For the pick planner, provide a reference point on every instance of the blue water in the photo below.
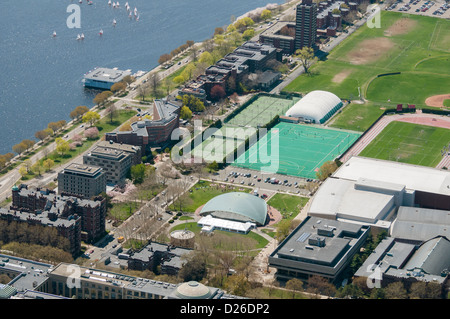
(40, 76)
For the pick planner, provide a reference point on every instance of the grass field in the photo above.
(409, 143)
(417, 46)
(288, 205)
(357, 117)
(298, 150)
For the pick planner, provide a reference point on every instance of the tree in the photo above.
(128, 79)
(23, 171)
(237, 284)
(213, 166)
(326, 170)
(266, 14)
(217, 92)
(119, 86)
(56, 126)
(28, 144)
(395, 290)
(102, 97)
(19, 148)
(294, 284)
(155, 84)
(138, 173)
(185, 113)
(306, 57)
(248, 34)
(112, 112)
(164, 58)
(91, 133)
(193, 269)
(62, 146)
(37, 168)
(321, 286)
(42, 134)
(207, 58)
(78, 112)
(91, 117)
(48, 164)
(218, 30)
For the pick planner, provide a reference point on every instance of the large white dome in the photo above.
(316, 106)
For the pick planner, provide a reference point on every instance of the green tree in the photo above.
(306, 57)
(62, 146)
(138, 173)
(78, 112)
(248, 34)
(119, 86)
(48, 164)
(185, 113)
(294, 284)
(395, 290)
(91, 117)
(266, 14)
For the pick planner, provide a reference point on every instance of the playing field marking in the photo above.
(433, 39)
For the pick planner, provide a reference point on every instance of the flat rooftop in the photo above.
(83, 170)
(107, 75)
(414, 177)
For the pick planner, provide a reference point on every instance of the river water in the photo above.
(40, 75)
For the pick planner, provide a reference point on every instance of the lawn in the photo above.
(409, 143)
(420, 51)
(203, 191)
(357, 117)
(288, 205)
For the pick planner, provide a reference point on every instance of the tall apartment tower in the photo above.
(306, 24)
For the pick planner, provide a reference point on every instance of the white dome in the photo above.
(317, 106)
(193, 290)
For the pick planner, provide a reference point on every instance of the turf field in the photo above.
(417, 46)
(295, 149)
(409, 143)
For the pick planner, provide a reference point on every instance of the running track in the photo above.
(417, 118)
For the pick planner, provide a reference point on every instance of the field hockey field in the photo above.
(417, 46)
(409, 143)
(295, 149)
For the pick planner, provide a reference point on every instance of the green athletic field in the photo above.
(419, 49)
(294, 149)
(409, 143)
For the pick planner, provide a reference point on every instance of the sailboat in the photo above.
(101, 32)
(78, 37)
(82, 36)
(109, 2)
(54, 34)
(114, 22)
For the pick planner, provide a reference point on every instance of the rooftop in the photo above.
(83, 170)
(107, 75)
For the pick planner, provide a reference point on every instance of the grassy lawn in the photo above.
(203, 191)
(288, 205)
(224, 240)
(121, 211)
(409, 143)
(357, 117)
(421, 53)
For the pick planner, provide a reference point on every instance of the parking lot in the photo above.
(263, 181)
(422, 7)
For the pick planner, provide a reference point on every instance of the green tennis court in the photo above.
(298, 150)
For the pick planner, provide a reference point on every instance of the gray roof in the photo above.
(421, 224)
(432, 257)
(107, 75)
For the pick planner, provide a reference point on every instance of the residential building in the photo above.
(281, 35)
(81, 180)
(306, 25)
(104, 78)
(91, 211)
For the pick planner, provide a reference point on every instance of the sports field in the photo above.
(262, 111)
(409, 143)
(294, 149)
(417, 46)
(242, 126)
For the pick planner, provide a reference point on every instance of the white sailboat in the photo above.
(101, 32)
(114, 22)
(109, 2)
(54, 34)
(78, 37)
(82, 36)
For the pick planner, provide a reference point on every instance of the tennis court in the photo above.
(298, 150)
(262, 111)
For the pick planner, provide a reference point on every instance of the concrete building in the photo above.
(81, 180)
(151, 133)
(306, 25)
(318, 247)
(394, 260)
(104, 78)
(115, 163)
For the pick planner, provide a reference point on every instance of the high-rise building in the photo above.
(306, 24)
(81, 180)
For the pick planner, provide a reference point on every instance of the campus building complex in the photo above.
(115, 160)
(37, 201)
(155, 133)
(81, 180)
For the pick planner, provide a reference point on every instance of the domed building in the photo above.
(316, 107)
(194, 290)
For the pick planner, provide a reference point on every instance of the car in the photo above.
(114, 246)
(91, 251)
(82, 125)
(259, 179)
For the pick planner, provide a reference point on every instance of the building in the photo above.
(394, 260)
(318, 247)
(82, 180)
(234, 211)
(134, 151)
(167, 257)
(316, 107)
(104, 78)
(114, 162)
(306, 25)
(91, 211)
(281, 35)
(27, 276)
(328, 22)
(151, 133)
(100, 284)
